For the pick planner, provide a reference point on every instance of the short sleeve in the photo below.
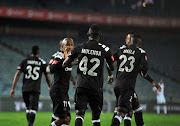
(74, 54)
(109, 57)
(21, 66)
(115, 55)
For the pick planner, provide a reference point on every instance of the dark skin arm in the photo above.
(16, 78)
(48, 81)
(73, 81)
(110, 76)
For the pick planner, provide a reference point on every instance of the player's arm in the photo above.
(110, 75)
(144, 69)
(71, 57)
(16, 78)
(48, 80)
(154, 90)
(109, 60)
(73, 80)
(57, 63)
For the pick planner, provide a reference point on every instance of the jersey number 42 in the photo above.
(83, 66)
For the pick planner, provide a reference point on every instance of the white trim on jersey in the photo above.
(105, 47)
(122, 47)
(44, 62)
(142, 51)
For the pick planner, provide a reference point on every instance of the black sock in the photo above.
(53, 119)
(31, 118)
(78, 122)
(115, 113)
(27, 115)
(115, 122)
(139, 118)
(97, 124)
(127, 122)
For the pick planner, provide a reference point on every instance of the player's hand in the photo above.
(49, 88)
(157, 86)
(110, 79)
(67, 51)
(74, 83)
(12, 93)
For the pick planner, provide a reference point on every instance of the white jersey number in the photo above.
(83, 66)
(32, 72)
(131, 59)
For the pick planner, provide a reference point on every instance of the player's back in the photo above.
(32, 68)
(91, 63)
(128, 62)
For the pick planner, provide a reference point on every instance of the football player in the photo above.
(91, 57)
(32, 67)
(130, 62)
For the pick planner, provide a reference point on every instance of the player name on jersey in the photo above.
(129, 51)
(34, 62)
(91, 52)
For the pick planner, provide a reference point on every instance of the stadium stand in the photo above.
(115, 7)
(157, 51)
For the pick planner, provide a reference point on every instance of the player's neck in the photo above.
(34, 55)
(96, 39)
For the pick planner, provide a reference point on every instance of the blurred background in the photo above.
(24, 23)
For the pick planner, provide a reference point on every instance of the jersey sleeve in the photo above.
(143, 64)
(44, 65)
(116, 56)
(21, 66)
(56, 64)
(109, 57)
(74, 54)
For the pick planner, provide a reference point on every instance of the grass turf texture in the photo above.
(44, 118)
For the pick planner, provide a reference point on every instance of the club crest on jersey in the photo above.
(129, 51)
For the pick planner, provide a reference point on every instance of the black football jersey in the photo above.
(130, 62)
(33, 67)
(61, 74)
(91, 57)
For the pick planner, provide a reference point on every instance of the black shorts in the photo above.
(84, 96)
(31, 100)
(61, 104)
(128, 100)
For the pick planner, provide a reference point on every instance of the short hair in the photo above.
(137, 39)
(35, 49)
(130, 32)
(94, 30)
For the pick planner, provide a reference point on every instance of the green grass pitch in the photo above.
(44, 118)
